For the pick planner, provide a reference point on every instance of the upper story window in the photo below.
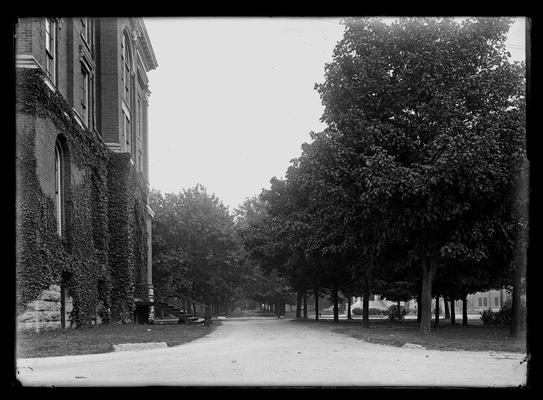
(51, 49)
(126, 130)
(86, 95)
(126, 58)
(86, 31)
(59, 208)
(139, 111)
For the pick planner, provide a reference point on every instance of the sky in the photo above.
(233, 99)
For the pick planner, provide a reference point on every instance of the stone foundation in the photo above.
(44, 312)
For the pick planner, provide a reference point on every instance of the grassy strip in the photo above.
(444, 337)
(101, 338)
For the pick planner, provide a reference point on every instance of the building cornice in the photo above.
(142, 38)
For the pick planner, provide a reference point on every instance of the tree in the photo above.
(266, 253)
(195, 247)
(435, 112)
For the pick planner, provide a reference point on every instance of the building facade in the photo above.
(83, 250)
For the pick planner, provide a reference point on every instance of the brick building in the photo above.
(83, 250)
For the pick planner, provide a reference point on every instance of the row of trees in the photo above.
(198, 252)
(418, 185)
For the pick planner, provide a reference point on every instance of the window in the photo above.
(140, 117)
(86, 95)
(51, 48)
(126, 62)
(485, 301)
(58, 188)
(86, 29)
(497, 301)
(126, 130)
(480, 301)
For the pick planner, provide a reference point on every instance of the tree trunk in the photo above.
(446, 302)
(453, 312)
(299, 305)
(366, 308)
(316, 291)
(517, 327)
(465, 310)
(518, 321)
(62, 304)
(349, 308)
(436, 322)
(428, 273)
(419, 308)
(399, 306)
(305, 305)
(335, 300)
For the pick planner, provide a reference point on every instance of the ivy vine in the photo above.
(102, 255)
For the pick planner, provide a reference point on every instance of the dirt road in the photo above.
(267, 351)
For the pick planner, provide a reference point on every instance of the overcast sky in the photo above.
(233, 99)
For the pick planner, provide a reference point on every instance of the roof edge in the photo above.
(149, 58)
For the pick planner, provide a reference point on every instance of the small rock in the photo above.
(413, 346)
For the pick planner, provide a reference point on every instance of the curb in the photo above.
(139, 346)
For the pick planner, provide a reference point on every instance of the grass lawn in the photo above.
(101, 338)
(474, 337)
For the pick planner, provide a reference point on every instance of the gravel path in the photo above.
(268, 351)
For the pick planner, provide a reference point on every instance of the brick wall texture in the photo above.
(106, 70)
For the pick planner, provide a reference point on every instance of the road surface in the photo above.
(272, 352)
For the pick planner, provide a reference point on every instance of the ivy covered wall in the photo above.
(128, 249)
(101, 256)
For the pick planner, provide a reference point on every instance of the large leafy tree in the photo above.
(195, 247)
(434, 110)
(266, 253)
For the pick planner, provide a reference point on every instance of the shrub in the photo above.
(489, 317)
(506, 312)
(396, 314)
(371, 311)
(503, 316)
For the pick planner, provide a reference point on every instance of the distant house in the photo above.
(493, 299)
(83, 232)
(477, 302)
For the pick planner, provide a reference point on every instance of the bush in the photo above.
(396, 314)
(503, 316)
(371, 311)
(506, 312)
(489, 317)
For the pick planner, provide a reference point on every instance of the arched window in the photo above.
(126, 57)
(59, 192)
